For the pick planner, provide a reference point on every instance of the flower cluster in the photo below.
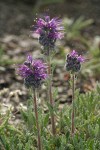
(73, 62)
(49, 31)
(33, 71)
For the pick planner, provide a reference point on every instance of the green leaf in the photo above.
(50, 108)
(67, 135)
(13, 129)
(4, 142)
(46, 120)
(24, 115)
(97, 130)
(5, 122)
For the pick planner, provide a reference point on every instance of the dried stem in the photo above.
(50, 97)
(73, 109)
(37, 124)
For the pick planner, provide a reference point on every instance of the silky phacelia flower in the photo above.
(73, 62)
(49, 30)
(33, 72)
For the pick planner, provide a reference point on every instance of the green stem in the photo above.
(37, 124)
(50, 97)
(73, 109)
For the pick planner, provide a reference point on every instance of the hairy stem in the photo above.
(73, 109)
(50, 97)
(37, 124)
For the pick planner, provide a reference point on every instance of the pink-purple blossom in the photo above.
(73, 61)
(49, 30)
(79, 57)
(33, 71)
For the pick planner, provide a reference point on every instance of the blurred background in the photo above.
(81, 20)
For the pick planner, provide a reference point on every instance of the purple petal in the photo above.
(74, 53)
(47, 18)
(41, 22)
(80, 59)
(24, 71)
(29, 59)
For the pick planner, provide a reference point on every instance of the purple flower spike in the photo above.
(73, 62)
(49, 31)
(33, 72)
